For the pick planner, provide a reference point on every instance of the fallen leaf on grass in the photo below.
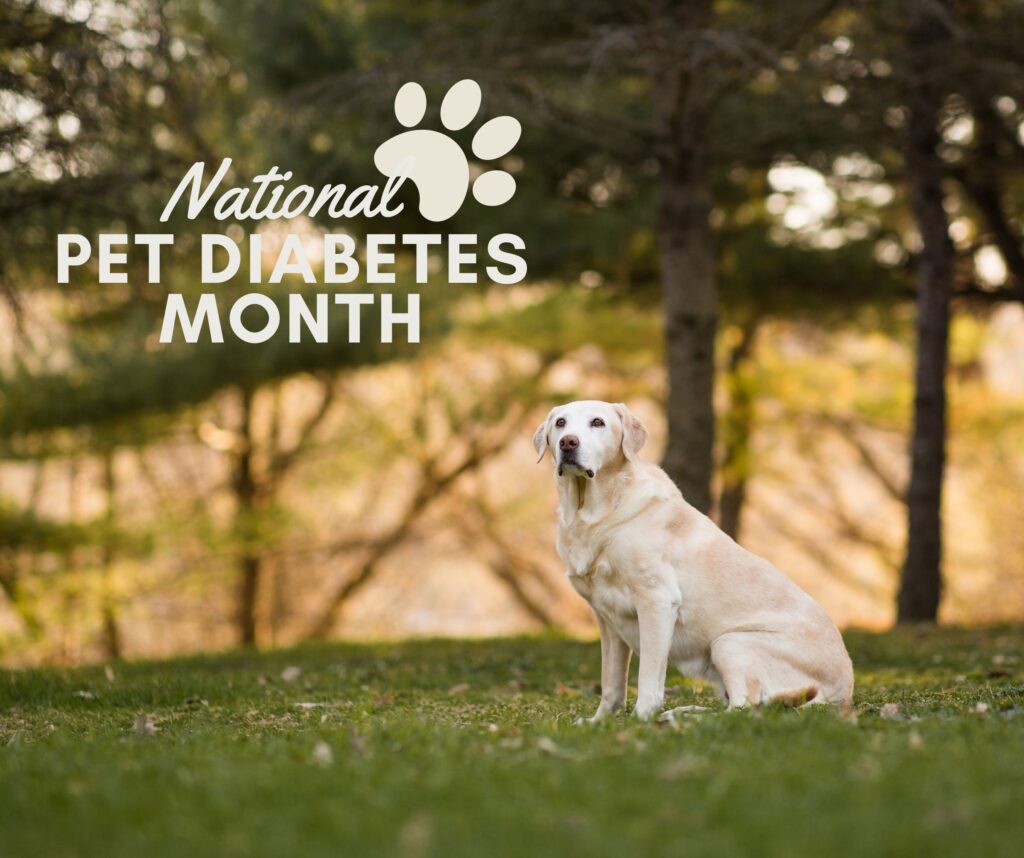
(459, 689)
(322, 755)
(304, 705)
(891, 712)
(291, 673)
(548, 746)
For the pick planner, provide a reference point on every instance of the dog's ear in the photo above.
(634, 433)
(540, 438)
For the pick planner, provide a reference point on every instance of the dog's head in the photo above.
(589, 435)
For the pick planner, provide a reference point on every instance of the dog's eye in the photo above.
(560, 422)
(597, 422)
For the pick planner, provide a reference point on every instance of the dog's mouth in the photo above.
(569, 463)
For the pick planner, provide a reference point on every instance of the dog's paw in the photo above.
(436, 163)
(646, 711)
(596, 718)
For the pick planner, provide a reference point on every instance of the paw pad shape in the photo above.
(436, 163)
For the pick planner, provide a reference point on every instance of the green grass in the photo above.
(455, 748)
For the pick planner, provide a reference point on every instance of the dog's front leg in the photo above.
(615, 654)
(657, 621)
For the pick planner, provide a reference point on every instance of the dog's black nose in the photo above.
(568, 442)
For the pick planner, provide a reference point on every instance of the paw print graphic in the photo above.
(435, 163)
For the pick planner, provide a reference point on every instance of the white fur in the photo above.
(666, 583)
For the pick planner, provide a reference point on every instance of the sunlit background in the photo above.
(164, 499)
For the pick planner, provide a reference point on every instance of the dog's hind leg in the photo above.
(737, 664)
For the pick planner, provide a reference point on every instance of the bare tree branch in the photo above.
(283, 460)
(431, 487)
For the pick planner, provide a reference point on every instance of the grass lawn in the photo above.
(455, 748)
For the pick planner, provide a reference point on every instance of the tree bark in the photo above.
(111, 630)
(691, 321)
(245, 495)
(738, 426)
(921, 585)
(687, 251)
(249, 585)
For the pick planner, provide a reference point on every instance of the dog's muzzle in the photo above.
(567, 447)
(569, 462)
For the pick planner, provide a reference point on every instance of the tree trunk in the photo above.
(691, 320)
(738, 426)
(248, 593)
(249, 564)
(921, 583)
(685, 246)
(111, 631)
(70, 636)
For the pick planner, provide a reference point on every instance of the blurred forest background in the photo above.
(789, 235)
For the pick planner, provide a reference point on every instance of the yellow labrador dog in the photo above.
(666, 583)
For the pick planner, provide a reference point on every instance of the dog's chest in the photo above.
(593, 575)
